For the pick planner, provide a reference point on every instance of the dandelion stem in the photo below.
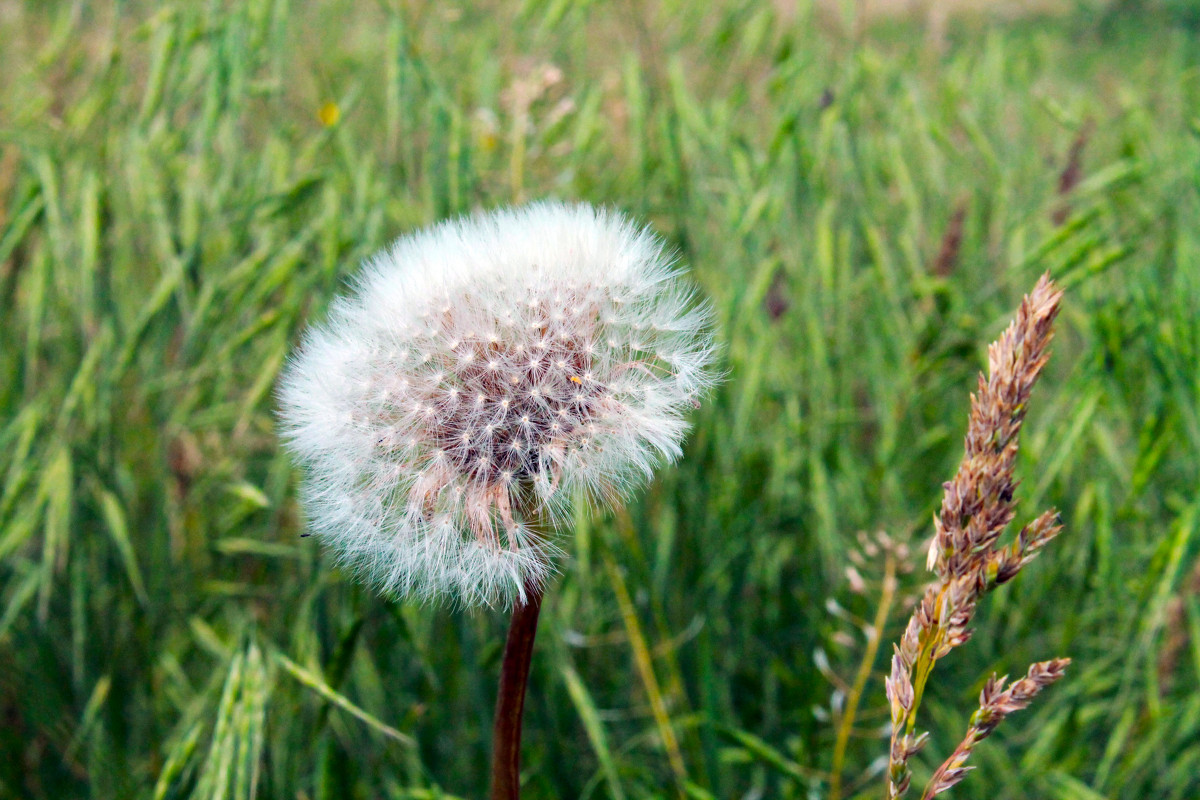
(510, 701)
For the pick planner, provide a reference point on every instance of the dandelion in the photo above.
(481, 376)
(329, 114)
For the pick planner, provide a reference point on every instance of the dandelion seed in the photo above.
(502, 344)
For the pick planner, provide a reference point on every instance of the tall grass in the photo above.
(183, 185)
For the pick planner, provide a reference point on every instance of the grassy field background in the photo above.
(183, 185)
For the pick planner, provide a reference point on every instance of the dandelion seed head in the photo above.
(480, 375)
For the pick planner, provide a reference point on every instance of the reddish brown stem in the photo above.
(510, 702)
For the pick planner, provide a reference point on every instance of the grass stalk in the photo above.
(887, 596)
(645, 667)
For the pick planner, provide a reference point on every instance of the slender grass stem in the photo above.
(924, 668)
(645, 666)
(510, 701)
(846, 723)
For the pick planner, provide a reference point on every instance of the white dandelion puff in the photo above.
(482, 371)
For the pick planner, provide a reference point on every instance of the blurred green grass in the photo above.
(177, 199)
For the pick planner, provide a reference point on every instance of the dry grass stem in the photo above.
(895, 556)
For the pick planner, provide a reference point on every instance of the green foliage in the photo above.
(175, 203)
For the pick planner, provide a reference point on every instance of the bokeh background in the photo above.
(864, 190)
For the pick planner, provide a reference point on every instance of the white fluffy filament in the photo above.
(485, 369)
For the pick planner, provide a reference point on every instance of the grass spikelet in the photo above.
(977, 507)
